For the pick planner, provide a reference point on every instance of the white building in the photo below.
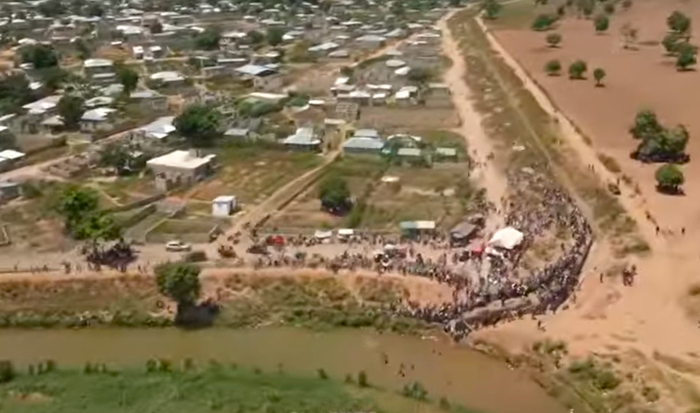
(181, 166)
(223, 206)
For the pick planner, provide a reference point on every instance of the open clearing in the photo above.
(440, 193)
(253, 173)
(636, 79)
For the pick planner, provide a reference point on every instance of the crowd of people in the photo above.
(504, 295)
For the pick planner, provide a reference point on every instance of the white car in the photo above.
(177, 246)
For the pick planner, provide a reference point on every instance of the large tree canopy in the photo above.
(179, 281)
(209, 39)
(334, 194)
(82, 217)
(40, 55)
(658, 143)
(199, 124)
(679, 23)
(71, 108)
(129, 78)
(14, 92)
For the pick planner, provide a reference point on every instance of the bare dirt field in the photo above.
(400, 119)
(641, 78)
(252, 174)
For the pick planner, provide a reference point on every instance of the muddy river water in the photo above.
(445, 369)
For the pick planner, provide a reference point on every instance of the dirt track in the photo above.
(486, 171)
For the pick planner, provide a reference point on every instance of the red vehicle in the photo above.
(275, 240)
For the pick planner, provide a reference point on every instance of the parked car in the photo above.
(177, 246)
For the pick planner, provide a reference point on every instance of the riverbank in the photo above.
(163, 386)
(245, 299)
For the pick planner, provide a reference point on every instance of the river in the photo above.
(445, 369)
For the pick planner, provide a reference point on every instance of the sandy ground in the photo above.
(649, 318)
(486, 172)
(636, 79)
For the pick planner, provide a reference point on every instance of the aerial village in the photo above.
(187, 122)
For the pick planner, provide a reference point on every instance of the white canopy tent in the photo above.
(506, 238)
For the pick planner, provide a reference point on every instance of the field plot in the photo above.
(361, 172)
(385, 195)
(638, 77)
(191, 229)
(439, 194)
(406, 119)
(129, 189)
(253, 173)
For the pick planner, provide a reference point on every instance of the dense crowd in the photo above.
(505, 296)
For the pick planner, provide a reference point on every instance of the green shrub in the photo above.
(7, 371)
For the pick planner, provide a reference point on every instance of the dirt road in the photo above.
(480, 146)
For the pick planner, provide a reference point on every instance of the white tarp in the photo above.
(507, 238)
(346, 232)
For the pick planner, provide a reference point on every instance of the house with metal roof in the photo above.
(97, 119)
(304, 139)
(363, 145)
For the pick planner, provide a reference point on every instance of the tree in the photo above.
(7, 371)
(121, 158)
(51, 8)
(599, 75)
(156, 27)
(491, 8)
(208, 39)
(97, 226)
(129, 78)
(658, 143)
(577, 69)
(420, 75)
(646, 126)
(601, 23)
(679, 23)
(671, 43)
(626, 4)
(334, 194)
(543, 22)
(199, 124)
(255, 37)
(94, 9)
(669, 179)
(179, 281)
(553, 67)
(79, 209)
(53, 77)
(71, 108)
(39, 55)
(274, 36)
(14, 92)
(553, 39)
(687, 57)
